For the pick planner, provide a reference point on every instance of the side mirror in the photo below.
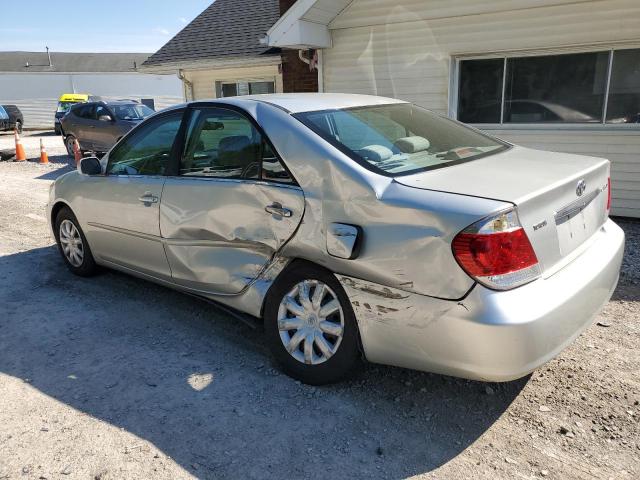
(90, 166)
(105, 118)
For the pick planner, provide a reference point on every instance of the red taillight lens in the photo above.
(497, 252)
(608, 194)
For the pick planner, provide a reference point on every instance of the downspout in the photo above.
(187, 86)
(319, 66)
(321, 71)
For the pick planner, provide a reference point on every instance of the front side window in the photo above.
(3, 113)
(400, 139)
(147, 151)
(224, 143)
(565, 88)
(132, 112)
(102, 111)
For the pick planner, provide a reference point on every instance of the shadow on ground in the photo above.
(140, 357)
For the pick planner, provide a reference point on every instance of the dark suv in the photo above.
(16, 120)
(99, 125)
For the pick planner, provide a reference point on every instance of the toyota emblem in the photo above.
(582, 186)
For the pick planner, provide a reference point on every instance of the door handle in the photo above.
(277, 209)
(148, 197)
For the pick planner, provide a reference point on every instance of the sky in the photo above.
(94, 25)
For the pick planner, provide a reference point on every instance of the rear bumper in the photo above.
(490, 335)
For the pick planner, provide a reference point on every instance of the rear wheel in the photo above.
(73, 245)
(310, 326)
(68, 142)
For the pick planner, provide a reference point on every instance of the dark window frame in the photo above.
(183, 141)
(455, 82)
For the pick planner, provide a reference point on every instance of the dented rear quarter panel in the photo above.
(407, 232)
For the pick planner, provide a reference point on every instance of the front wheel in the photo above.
(73, 245)
(310, 326)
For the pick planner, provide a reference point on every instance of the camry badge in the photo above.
(582, 186)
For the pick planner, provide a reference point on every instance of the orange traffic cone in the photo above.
(77, 155)
(44, 158)
(20, 155)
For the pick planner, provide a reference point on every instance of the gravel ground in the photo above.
(113, 378)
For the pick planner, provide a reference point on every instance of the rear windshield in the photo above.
(400, 139)
(132, 112)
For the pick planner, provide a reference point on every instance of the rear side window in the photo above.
(85, 111)
(224, 143)
(147, 151)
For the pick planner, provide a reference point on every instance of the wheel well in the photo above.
(54, 212)
(296, 263)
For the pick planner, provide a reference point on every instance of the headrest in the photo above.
(412, 144)
(376, 153)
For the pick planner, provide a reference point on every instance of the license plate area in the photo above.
(577, 222)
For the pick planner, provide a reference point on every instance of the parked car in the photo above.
(15, 118)
(355, 227)
(4, 119)
(99, 125)
(65, 102)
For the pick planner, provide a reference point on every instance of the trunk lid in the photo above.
(544, 186)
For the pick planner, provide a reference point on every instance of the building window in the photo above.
(580, 88)
(234, 89)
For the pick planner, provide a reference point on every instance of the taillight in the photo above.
(608, 194)
(497, 252)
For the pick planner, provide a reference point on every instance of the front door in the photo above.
(232, 206)
(124, 204)
(106, 131)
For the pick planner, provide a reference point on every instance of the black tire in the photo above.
(87, 267)
(347, 358)
(68, 143)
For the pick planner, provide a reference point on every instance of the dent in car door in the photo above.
(222, 219)
(218, 233)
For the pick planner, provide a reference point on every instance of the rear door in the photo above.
(122, 207)
(80, 124)
(231, 207)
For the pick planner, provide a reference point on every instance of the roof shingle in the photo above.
(226, 29)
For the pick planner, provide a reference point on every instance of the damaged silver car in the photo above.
(356, 227)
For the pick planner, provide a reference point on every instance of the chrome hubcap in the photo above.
(311, 322)
(71, 243)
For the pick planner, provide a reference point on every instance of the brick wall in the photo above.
(296, 76)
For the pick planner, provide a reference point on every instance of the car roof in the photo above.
(311, 102)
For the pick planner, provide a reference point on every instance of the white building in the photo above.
(560, 75)
(34, 81)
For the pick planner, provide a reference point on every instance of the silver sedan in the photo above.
(355, 227)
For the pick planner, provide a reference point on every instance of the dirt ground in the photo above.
(116, 378)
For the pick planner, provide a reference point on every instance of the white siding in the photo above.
(204, 81)
(403, 49)
(36, 94)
